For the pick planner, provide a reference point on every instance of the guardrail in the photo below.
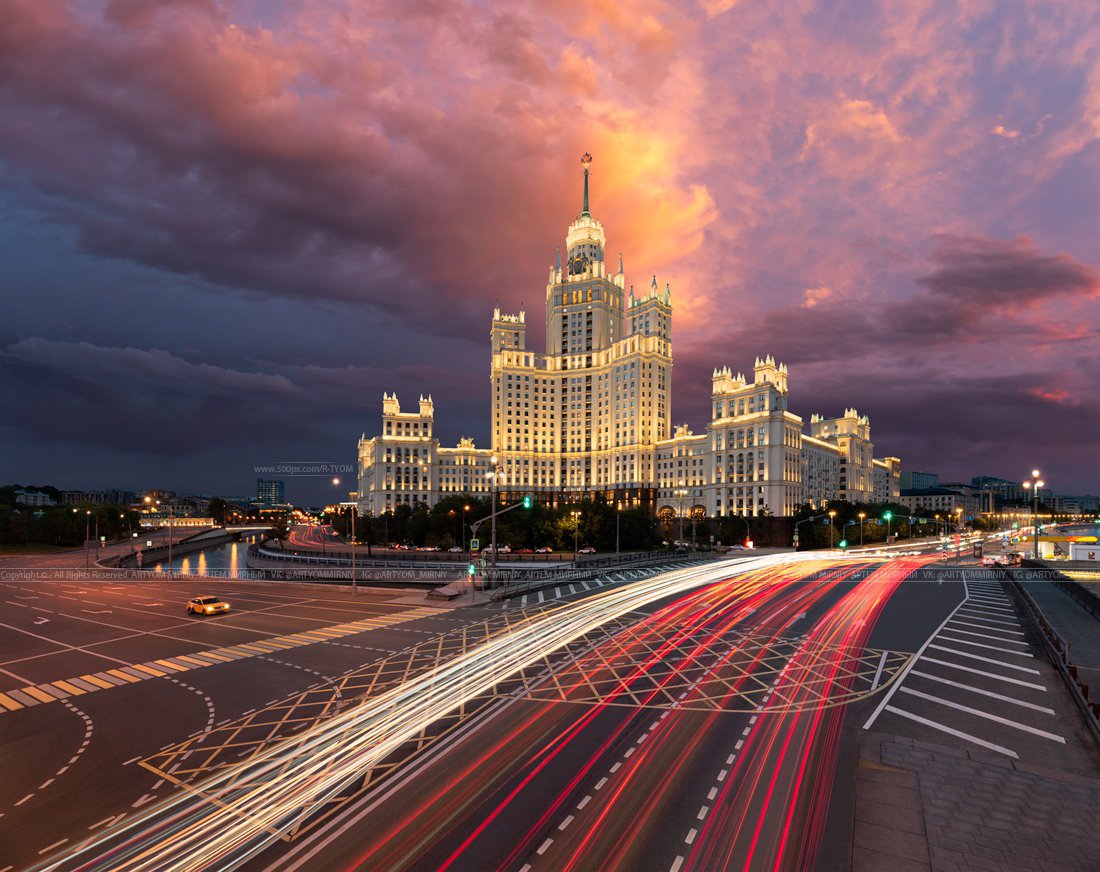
(587, 572)
(1057, 650)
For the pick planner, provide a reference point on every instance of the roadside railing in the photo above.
(1057, 650)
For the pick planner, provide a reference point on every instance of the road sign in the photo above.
(481, 563)
(475, 543)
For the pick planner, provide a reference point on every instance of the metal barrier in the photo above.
(1057, 650)
(587, 573)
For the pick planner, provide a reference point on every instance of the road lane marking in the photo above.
(703, 812)
(1054, 737)
(600, 783)
(959, 734)
(991, 629)
(584, 801)
(978, 616)
(54, 845)
(544, 846)
(676, 864)
(982, 692)
(565, 822)
(989, 647)
(909, 666)
(970, 669)
(878, 672)
(9, 703)
(986, 659)
(690, 837)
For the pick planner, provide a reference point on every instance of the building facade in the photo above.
(270, 491)
(591, 416)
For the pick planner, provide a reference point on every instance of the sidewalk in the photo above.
(1074, 623)
(930, 808)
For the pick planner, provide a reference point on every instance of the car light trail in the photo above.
(247, 807)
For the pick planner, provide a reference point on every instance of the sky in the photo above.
(228, 226)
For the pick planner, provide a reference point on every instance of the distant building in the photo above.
(270, 491)
(1081, 505)
(1008, 491)
(936, 500)
(112, 497)
(33, 498)
(914, 480)
(887, 478)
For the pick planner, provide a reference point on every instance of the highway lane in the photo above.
(517, 736)
(613, 785)
(71, 764)
(269, 788)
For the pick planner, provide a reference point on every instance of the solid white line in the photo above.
(985, 659)
(909, 666)
(878, 672)
(989, 693)
(1016, 681)
(991, 609)
(989, 598)
(989, 647)
(957, 733)
(977, 616)
(991, 629)
(979, 713)
(984, 636)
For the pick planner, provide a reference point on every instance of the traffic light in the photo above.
(528, 501)
(843, 543)
(471, 570)
(886, 516)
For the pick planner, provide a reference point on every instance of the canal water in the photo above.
(225, 561)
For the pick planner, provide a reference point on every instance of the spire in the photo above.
(557, 260)
(620, 263)
(586, 162)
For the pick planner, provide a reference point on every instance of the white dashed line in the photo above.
(544, 846)
(703, 812)
(690, 837)
(584, 801)
(565, 822)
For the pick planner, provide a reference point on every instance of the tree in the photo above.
(280, 529)
(218, 509)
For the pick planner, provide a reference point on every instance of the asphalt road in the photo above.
(701, 731)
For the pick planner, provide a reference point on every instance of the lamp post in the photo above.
(1033, 485)
(354, 511)
(494, 483)
(465, 509)
(862, 515)
(681, 494)
(618, 514)
(576, 515)
(87, 533)
(832, 528)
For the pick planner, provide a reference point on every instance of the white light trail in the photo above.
(243, 809)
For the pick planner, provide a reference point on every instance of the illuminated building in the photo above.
(591, 416)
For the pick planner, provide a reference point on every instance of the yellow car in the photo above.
(207, 605)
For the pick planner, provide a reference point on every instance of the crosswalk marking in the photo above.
(15, 700)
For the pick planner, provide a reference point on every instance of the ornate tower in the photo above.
(584, 304)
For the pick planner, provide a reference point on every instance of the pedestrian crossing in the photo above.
(563, 590)
(37, 694)
(976, 679)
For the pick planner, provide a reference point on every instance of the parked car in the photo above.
(544, 550)
(737, 548)
(455, 549)
(501, 549)
(524, 551)
(588, 549)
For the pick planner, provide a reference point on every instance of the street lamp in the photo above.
(576, 529)
(1034, 486)
(681, 494)
(862, 515)
(494, 482)
(171, 527)
(354, 510)
(832, 527)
